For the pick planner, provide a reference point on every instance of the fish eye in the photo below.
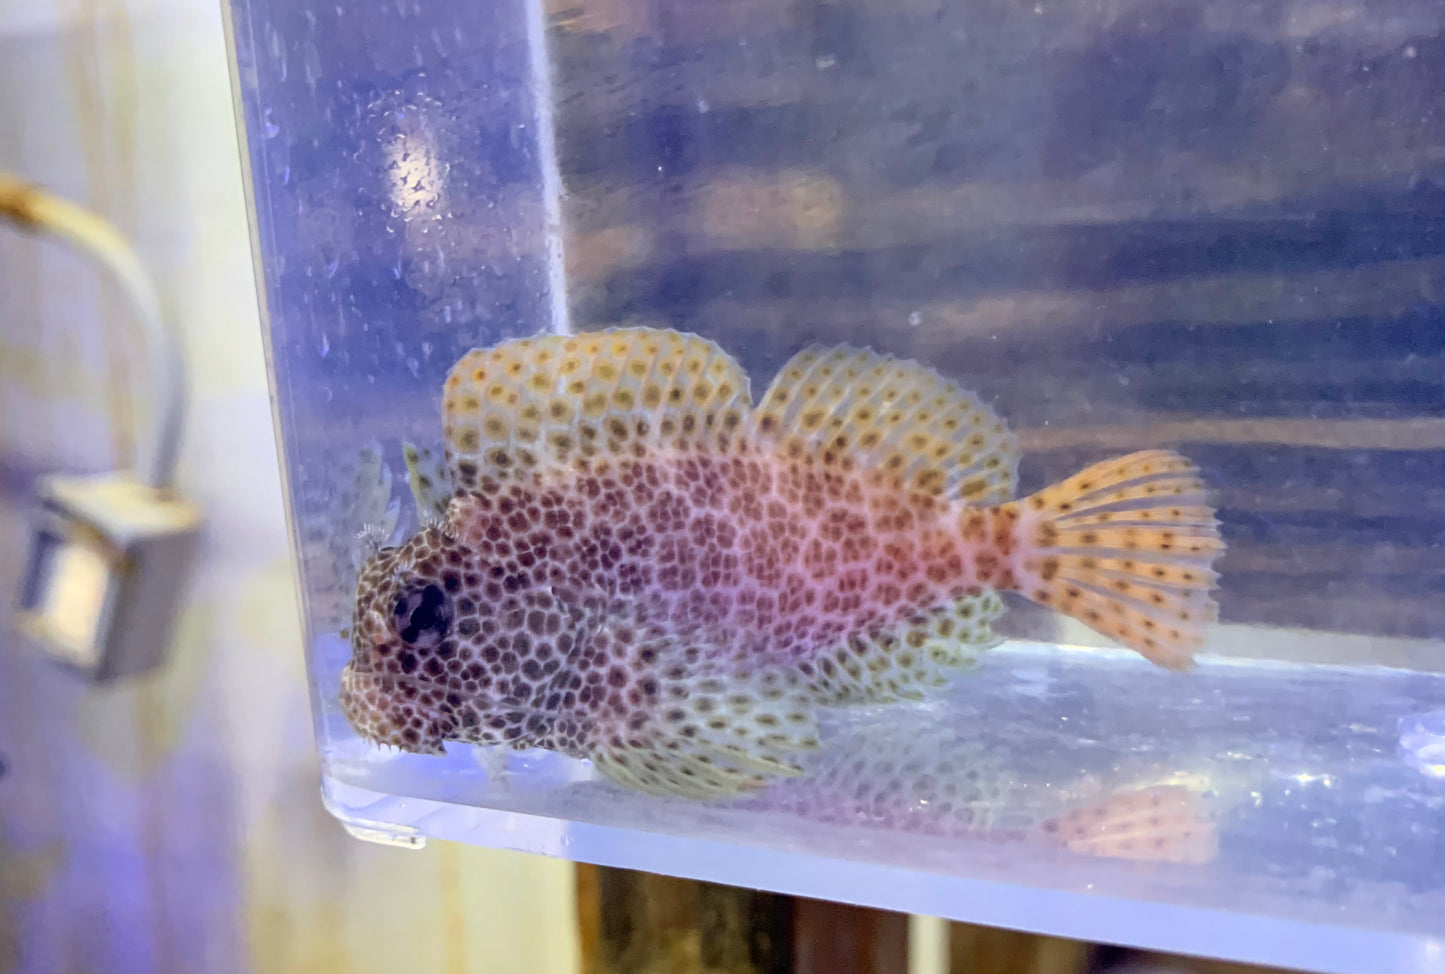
(422, 615)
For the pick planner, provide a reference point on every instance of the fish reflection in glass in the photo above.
(640, 567)
(920, 772)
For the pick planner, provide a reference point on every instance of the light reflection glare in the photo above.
(418, 176)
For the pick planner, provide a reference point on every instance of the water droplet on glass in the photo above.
(325, 345)
(268, 127)
(914, 319)
(310, 65)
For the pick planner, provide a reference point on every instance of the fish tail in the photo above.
(1124, 547)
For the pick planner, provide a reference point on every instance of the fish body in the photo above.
(641, 567)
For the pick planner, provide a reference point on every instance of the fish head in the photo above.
(404, 643)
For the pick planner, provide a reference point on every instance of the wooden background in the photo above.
(634, 923)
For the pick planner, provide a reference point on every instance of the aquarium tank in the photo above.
(979, 458)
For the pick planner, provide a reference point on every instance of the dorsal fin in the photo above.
(551, 401)
(867, 411)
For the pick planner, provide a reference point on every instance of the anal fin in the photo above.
(904, 661)
(710, 730)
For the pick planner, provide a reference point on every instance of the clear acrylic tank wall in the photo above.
(1212, 227)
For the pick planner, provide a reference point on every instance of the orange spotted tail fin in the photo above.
(1125, 547)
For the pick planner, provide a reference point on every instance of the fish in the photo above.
(641, 567)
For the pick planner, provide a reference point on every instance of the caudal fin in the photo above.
(1125, 547)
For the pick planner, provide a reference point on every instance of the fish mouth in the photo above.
(387, 709)
(372, 709)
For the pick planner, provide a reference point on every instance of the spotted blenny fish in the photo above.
(640, 567)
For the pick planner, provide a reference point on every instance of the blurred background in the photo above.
(174, 823)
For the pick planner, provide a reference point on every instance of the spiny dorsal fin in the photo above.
(555, 400)
(861, 410)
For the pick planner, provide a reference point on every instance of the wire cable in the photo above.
(35, 209)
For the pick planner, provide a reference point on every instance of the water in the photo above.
(1216, 227)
